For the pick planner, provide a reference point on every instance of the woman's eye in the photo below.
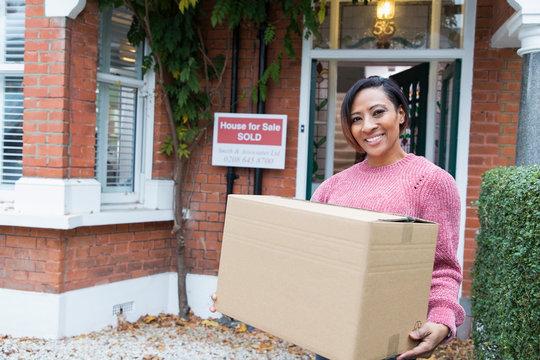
(356, 118)
(378, 112)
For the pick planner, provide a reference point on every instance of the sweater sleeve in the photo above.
(441, 204)
(320, 194)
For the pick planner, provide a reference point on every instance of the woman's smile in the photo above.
(375, 139)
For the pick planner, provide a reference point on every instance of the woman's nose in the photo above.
(369, 124)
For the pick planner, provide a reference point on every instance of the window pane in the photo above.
(414, 24)
(117, 55)
(116, 137)
(11, 162)
(14, 31)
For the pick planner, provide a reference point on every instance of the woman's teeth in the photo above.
(375, 138)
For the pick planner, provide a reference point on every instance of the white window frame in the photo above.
(143, 139)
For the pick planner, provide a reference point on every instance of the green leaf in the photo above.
(167, 146)
(319, 143)
(263, 89)
(269, 34)
(255, 95)
(275, 70)
(321, 105)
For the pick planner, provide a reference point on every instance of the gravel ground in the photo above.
(157, 338)
(165, 337)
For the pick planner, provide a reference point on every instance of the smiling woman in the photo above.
(373, 116)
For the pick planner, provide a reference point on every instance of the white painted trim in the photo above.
(199, 291)
(383, 55)
(431, 110)
(148, 92)
(528, 6)
(120, 80)
(330, 119)
(465, 103)
(42, 315)
(66, 222)
(158, 194)
(303, 121)
(65, 8)
(56, 197)
(507, 36)
(522, 29)
(71, 203)
(530, 39)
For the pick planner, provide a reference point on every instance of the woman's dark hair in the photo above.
(390, 88)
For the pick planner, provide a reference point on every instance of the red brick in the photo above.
(35, 46)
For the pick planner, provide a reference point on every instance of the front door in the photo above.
(448, 126)
(414, 83)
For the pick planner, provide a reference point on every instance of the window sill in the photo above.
(9, 217)
(71, 203)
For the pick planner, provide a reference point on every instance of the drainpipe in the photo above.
(231, 175)
(257, 188)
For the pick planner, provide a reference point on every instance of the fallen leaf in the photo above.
(240, 328)
(210, 323)
(264, 346)
(148, 319)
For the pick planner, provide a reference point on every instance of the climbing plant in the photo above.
(190, 81)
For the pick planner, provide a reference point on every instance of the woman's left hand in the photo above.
(431, 335)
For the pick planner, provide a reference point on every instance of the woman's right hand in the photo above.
(213, 307)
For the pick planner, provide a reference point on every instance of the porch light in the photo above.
(384, 26)
(386, 9)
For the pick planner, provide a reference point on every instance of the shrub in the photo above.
(506, 273)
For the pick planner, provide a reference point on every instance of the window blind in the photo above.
(14, 31)
(12, 17)
(117, 55)
(12, 132)
(116, 145)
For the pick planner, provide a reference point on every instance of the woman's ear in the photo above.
(401, 115)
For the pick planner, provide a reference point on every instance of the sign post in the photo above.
(249, 140)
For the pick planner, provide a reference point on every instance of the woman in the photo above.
(374, 114)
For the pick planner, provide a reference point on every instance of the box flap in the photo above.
(322, 208)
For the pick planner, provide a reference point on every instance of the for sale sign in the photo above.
(249, 140)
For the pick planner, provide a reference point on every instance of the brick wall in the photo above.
(494, 114)
(83, 54)
(209, 190)
(54, 261)
(59, 93)
(46, 92)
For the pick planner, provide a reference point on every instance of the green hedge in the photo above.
(506, 273)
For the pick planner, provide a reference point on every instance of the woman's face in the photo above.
(375, 126)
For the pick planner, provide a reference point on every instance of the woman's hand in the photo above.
(213, 307)
(431, 335)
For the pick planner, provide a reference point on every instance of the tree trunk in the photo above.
(179, 232)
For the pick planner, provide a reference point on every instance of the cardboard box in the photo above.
(344, 283)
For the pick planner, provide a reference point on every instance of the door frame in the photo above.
(433, 56)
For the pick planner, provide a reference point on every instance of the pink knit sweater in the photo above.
(415, 187)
